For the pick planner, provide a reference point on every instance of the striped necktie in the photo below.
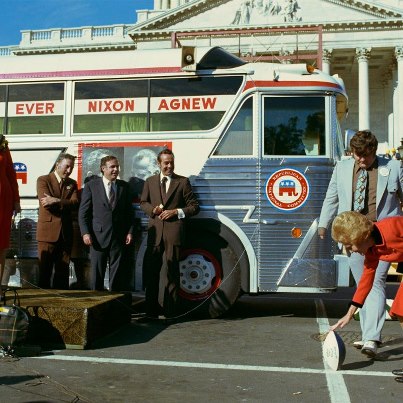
(360, 188)
(112, 195)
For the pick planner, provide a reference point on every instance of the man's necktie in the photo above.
(359, 194)
(112, 195)
(164, 189)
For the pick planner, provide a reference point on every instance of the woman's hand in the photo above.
(345, 319)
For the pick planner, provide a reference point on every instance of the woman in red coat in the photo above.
(9, 200)
(382, 240)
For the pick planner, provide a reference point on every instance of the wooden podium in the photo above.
(73, 319)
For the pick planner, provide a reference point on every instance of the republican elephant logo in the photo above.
(288, 187)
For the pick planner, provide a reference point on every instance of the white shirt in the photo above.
(181, 214)
(107, 184)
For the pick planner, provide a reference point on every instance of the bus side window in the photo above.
(294, 126)
(238, 140)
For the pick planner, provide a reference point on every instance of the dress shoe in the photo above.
(398, 372)
(370, 348)
(399, 379)
(358, 344)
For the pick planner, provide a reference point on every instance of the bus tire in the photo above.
(210, 278)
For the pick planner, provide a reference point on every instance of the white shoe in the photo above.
(358, 344)
(370, 348)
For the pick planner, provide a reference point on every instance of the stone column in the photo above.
(363, 55)
(398, 99)
(164, 4)
(157, 4)
(175, 3)
(326, 58)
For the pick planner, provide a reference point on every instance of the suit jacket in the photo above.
(391, 250)
(97, 218)
(180, 195)
(58, 217)
(339, 195)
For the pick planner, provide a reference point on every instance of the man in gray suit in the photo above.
(383, 196)
(168, 200)
(106, 224)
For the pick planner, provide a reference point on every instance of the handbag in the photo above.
(14, 321)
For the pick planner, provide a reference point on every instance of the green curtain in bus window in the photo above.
(294, 126)
(238, 140)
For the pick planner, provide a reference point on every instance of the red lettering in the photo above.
(209, 103)
(163, 105)
(19, 109)
(30, 108)
(40, 109)
(175, 104)
(49, 107)
(107, 106)
(117, 106)
(130, 105)
(196, 103)
(92, 106)
(186, 104)
(111, 106)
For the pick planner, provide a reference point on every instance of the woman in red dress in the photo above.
(382, 240)
(9, 200)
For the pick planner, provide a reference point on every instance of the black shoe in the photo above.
(398, 372)
(399, 379)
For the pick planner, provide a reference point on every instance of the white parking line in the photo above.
(335, 382)
(208, 365)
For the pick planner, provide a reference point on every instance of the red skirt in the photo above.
(397, 306)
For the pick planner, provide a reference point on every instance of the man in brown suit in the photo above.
(58, 197)
(168, 199)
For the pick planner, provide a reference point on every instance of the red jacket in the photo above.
(390, 250)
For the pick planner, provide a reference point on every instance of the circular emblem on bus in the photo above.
(287, 189)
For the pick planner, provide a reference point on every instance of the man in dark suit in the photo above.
(58, 197)
(168, 199)
(106, 224)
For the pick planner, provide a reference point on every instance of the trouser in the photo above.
(114, 253)
(152, 269)
(54, 255)
(373, 313)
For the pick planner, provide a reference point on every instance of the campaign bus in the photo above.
(258, 142)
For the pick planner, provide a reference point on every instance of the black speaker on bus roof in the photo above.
(188, 58)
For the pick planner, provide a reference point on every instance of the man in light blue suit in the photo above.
(383, 198)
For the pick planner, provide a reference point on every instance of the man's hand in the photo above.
(129, 239)
(49, 200)
(87, 239)
(322, 232)
(167, 214)
(157, 210)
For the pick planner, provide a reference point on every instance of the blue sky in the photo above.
(17, 15)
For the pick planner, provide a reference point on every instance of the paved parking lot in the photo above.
(267, 349)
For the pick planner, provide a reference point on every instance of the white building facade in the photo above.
(361, 41)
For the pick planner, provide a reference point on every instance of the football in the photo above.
(334, 351)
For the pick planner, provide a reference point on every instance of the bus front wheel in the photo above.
(210, 280)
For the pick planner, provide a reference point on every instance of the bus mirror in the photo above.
(188, 58)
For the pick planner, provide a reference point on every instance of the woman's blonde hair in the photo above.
(351, 228)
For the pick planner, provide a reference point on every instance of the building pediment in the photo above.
(207, 14)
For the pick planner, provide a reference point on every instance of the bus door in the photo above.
(293, 174)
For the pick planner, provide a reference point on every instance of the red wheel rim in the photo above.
(194, 271)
